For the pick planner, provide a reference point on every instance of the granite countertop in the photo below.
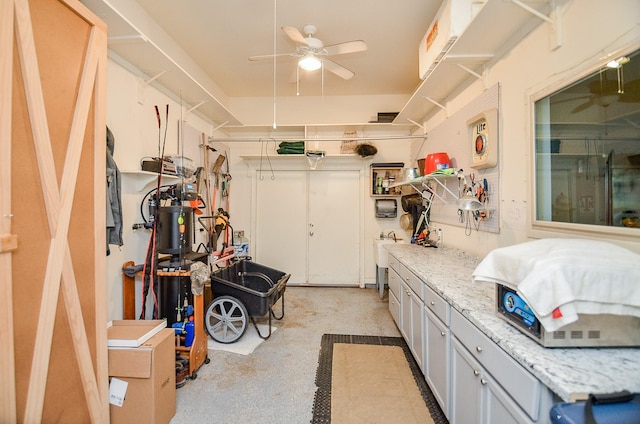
(571, 373)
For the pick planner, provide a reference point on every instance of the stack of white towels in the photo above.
(561, 278)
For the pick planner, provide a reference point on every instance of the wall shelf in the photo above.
(391, 173)
(142, 179)
(137, 43)
(495, 30)
(422, 183)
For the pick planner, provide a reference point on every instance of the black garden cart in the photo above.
(244, 289)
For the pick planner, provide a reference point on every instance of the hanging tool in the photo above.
(150, 275)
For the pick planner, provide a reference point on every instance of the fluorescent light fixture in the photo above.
(309, 62)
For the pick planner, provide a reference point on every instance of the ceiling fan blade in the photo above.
(339, 70)
(269, 56)
(583, 106)
(348, 47)
(295, 35)
(570, 99)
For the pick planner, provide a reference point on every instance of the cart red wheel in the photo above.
(226, 319)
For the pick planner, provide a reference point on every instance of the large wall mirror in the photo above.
(587, 152)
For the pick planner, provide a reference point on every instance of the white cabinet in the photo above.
(406, 307)
(477, 397)
(394, 308)
(487, 385)
(473, 379)
(412, 326)
(436, 369)
(437, 313)
(395, 287)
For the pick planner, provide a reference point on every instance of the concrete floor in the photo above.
(276, 383)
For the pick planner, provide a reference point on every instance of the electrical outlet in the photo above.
(440, 236)
(239, 233)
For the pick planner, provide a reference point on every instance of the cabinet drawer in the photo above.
(523, 387)
(412, 281)
(395, 283)
(394, 308)
(394, 263)
(436, 304)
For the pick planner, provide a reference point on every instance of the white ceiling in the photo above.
(220, 35)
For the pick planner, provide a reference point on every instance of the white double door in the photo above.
(308, 224)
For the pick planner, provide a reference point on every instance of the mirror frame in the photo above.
(545, 229)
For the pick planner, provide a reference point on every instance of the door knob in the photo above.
(311, 233)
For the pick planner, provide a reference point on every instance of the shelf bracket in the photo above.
(554, 20)
(195, 107)
(470, 71)
(422, 127)
(435, 103)
(152, 79)
(444, 186)
(421, 183)
(220, 126)
(126, 39)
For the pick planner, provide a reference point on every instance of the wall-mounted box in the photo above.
(450, 22)
(383, 176)
(386, 208)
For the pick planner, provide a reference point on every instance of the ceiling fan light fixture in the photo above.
(616, 63)
(309, 62)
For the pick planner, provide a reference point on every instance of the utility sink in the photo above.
(381, 254)
(382, 261)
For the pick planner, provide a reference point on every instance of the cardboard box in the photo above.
(150, 374)
(132, 333)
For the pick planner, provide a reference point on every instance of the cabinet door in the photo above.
(499, 407)
(395, 282)
(394, 308)
(405, 316)
(476, 396)
(437, 346)
(466, 396)
(412, 327)
(417, 329)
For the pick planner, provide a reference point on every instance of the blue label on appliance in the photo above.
(515, 305)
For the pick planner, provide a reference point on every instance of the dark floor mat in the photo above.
(322, 399)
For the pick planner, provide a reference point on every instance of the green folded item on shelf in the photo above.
(292, 144)
(287, 151)
(445, 171)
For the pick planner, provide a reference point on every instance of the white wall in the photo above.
(135, 128)
(296, 110)
(131, 117)
(591, 30)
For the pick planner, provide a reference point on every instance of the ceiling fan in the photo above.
(311, 53)
(604, 92)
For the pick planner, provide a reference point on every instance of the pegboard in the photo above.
(452, 136)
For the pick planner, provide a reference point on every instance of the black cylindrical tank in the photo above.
(175, 228)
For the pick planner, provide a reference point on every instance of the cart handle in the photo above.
(257, 274)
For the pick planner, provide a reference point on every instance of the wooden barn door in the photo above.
(52, 210)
